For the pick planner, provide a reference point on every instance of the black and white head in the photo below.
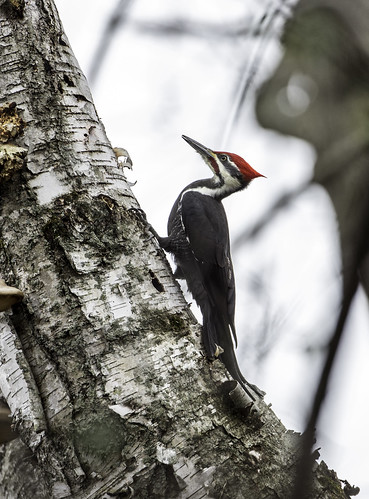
(231, 172)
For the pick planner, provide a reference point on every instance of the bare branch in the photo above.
(116, 20)
(282, 202)
(351, 283)
(268, 26)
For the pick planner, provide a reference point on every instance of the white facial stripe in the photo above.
(219, 191)
(230, 181)
(223, 183)
(202, 190)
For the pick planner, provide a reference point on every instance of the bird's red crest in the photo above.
(214, 165)
(247, 170)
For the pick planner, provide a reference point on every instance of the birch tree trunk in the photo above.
(101, 363)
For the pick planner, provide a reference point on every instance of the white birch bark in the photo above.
(101, 363)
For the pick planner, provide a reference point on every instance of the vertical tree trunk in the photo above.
(101, 364)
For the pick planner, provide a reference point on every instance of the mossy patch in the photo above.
(161, 320)
(99, 437)
(97, 227)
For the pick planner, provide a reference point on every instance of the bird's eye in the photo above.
(223, 158)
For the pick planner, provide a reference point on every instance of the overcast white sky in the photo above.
(151, 89)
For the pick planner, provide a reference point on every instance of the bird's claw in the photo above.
(139, 211)
(142, 216)
(257, 390)
(150, 237)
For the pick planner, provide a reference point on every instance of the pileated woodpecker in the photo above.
(198, 238)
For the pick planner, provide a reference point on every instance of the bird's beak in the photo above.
(205, 152)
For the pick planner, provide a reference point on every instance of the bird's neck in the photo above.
(216, 187)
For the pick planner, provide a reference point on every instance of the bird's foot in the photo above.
(142, 216)
(256, 389)
(139, 212)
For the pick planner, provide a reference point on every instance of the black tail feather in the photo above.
(217, 333)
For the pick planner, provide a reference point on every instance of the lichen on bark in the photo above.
(11, 155)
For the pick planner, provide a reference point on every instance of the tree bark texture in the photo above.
(101, 363)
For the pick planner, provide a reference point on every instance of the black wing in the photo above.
(206, 227)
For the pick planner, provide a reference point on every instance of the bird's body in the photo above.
(198, 237)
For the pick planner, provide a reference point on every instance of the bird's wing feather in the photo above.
(206, 227)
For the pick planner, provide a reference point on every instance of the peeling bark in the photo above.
(101, 364)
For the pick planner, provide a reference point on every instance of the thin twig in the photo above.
(350, 285)
(305, 464)
(116, 20)
(268, 26)
(283, 201)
